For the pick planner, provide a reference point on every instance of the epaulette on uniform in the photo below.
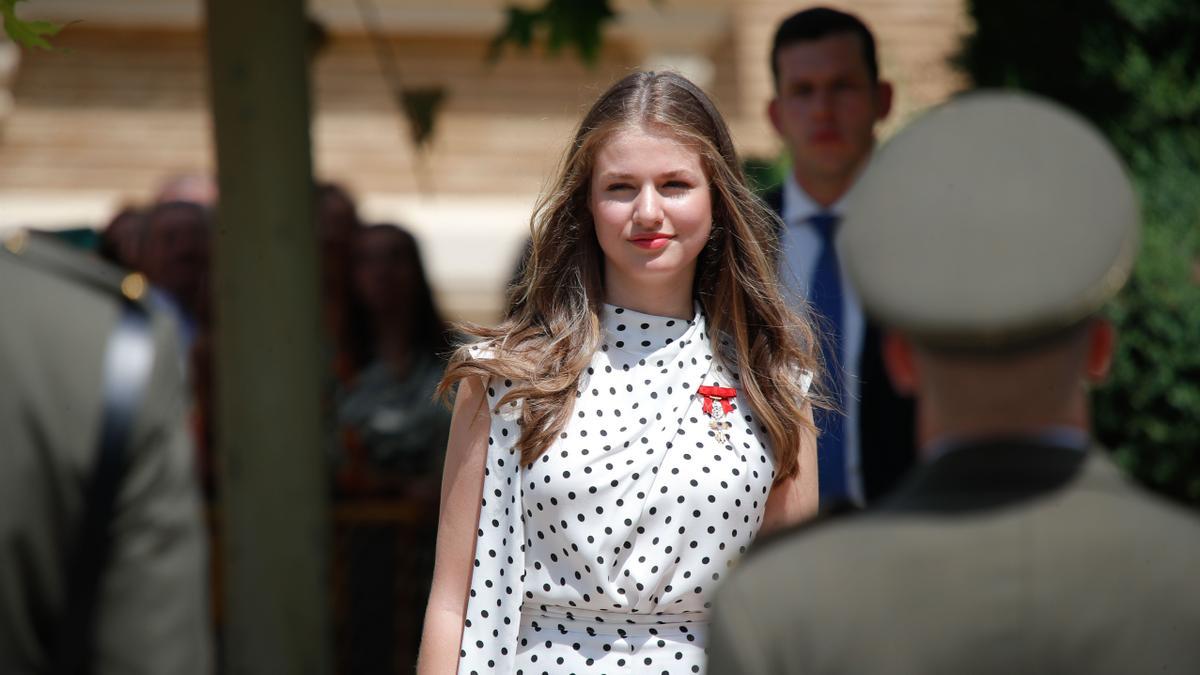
(59, 259)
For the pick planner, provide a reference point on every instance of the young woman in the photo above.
(620, 439)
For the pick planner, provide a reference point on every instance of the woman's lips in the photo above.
(651, 242)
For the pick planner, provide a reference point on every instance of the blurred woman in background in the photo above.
(388, 407)
(393, 435)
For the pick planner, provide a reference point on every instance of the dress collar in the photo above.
(639, 334)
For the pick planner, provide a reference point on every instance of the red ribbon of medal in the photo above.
(723, 394)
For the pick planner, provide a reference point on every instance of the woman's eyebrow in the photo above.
(619, 175)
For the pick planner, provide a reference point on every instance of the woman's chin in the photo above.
(659, 272)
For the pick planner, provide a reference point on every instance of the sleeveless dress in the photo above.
(603, 555)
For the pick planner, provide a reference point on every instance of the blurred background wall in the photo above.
(122, 104)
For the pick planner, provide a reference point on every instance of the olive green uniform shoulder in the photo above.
(837, 512)
(46, 253)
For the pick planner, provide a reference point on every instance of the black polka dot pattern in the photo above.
(609, 547)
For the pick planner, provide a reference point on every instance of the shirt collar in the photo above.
(798, 207)
(1060, 436)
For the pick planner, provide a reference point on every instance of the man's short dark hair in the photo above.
(201, 213)
(819, 22)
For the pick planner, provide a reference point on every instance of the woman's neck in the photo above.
(673, 299)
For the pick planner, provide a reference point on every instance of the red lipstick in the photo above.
(651, 240)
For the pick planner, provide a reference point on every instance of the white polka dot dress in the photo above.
(604, 554)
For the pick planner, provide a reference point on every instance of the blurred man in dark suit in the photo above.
(828, 100)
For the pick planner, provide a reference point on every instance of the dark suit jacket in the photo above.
(1008, 557)
(886, 427)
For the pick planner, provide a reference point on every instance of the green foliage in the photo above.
(765, 174)
(28, 34)
(420, 107)
(576, 23)
(1149, 412)
(563, 23)
(1133, 68)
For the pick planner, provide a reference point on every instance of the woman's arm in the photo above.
(462, 488)
(795, 499)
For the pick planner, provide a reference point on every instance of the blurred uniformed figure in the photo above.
(102, 548)
(987, 236)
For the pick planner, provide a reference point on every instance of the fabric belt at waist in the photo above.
(570, 620)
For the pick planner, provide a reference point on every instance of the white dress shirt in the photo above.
(801, 247)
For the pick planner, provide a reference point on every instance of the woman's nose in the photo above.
(648, 210)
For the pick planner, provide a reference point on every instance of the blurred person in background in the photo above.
(174, 256)
(398, 430)
(345, 323)
(103, 558)
(987, 236)
(828, 100)
(394, 436)
(192, 187)
(201, 363)
(121, 239)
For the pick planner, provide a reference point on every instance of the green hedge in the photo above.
(1149, 412)
(1133, 68)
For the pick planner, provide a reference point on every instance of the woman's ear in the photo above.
(901, 366)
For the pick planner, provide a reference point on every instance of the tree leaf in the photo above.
(28, 34)
(518, 29)
(420, 108)
(565, 23)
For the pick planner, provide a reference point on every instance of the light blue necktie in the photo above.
(825, 295)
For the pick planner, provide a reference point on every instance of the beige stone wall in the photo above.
(112, 110)
(121, 107)
(915, 39)
(123, 104)
(500, 129)
(118, 109)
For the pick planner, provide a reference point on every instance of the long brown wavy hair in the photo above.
(552, 328)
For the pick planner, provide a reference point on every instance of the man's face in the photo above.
(175, 253)
(384, 272)
(827, 106)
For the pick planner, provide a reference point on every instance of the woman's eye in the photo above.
(677, 185)
(615, 187)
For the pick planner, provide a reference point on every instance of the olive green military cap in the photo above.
(990, 221)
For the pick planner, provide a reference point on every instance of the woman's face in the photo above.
(652, 209)
(384, 276)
